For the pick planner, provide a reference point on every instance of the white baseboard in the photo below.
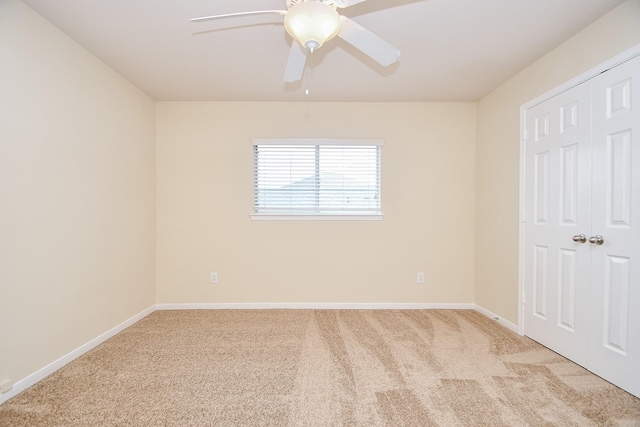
(44, 372)
(314, 306)
(513, 327)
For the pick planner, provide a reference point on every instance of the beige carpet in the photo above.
(320, 368)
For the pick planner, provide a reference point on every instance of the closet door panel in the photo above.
(557, 208)
(615, 264)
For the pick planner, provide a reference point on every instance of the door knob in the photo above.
(579, 238)
(596, 240)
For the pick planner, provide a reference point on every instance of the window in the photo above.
(316, 179)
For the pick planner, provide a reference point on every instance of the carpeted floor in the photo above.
(320, 368)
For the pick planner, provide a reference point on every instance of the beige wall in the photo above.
(76, 195)
(497, 167)
(204, 182)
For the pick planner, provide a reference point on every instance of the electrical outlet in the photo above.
(214, 277)
(6, 385)
(420, 278)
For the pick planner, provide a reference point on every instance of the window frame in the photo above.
(331, 216)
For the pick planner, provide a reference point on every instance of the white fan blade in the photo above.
(367, 42)
(229, 15)
(295, 63)
(346, 3)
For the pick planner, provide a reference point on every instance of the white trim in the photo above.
(44, 372)
(512, 327)
(315, 306)
(587, 75)
(315, 217)
(521, 221)
(317, 141)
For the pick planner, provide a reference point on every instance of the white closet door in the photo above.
(615, 265)
(557, 208)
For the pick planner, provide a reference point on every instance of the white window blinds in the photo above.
(317, 177)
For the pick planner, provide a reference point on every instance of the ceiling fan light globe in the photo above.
(312, 23)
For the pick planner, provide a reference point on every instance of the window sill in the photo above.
(317, 217)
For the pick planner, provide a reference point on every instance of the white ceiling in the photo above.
(451, 50)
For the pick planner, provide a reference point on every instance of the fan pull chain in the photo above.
(307, 79)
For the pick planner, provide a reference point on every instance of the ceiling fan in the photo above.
(312, 23)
